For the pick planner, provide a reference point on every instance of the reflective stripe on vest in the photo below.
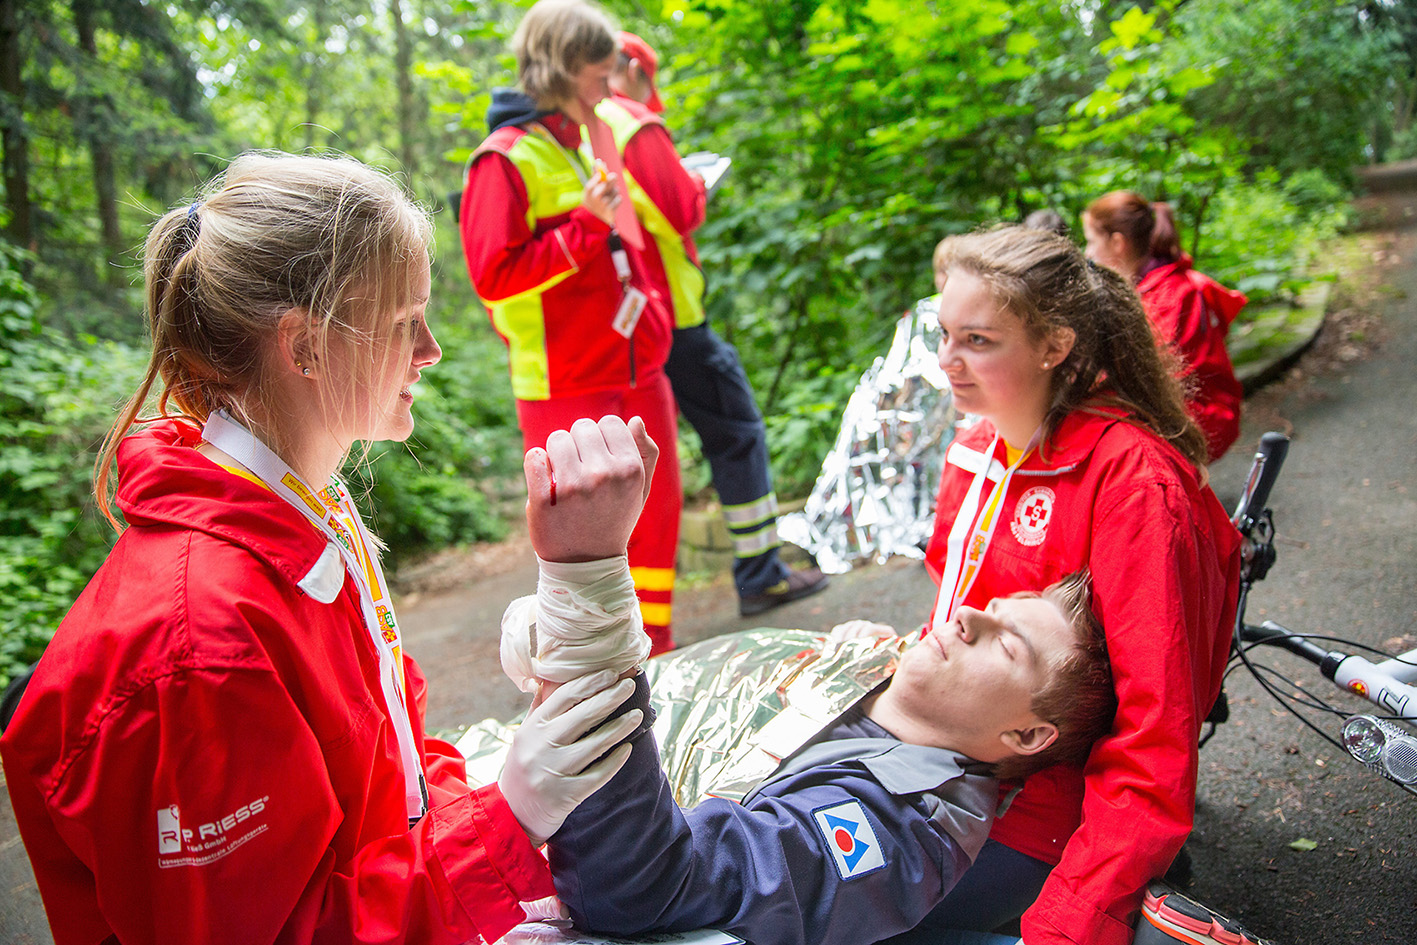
(686, 280)
(554, 189)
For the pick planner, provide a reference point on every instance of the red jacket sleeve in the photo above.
(504, 257)
(1162, 611)
(678, 194)
(224, 829)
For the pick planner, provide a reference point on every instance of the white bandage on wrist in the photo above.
(584, 618)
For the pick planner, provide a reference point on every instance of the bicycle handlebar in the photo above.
(1355, 674)
(1269, 458)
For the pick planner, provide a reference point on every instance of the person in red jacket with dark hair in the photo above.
(1190, 311)
(224, 741)
(1084, 456)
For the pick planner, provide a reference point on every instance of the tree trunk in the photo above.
(1196, 227)
(403, 66)
(12, 128)
(91, 112)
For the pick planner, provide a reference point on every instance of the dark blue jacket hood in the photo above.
(511, 107)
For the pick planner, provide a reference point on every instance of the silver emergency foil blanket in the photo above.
(875, 497)
(731, 707)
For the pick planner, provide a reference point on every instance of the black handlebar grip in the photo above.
(1269, 459)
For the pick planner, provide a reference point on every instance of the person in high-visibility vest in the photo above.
(709, 383)
(566, 289)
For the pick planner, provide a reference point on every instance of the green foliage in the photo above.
(1300, 80)
(1263, 233)
(858, 143)
(807, 418)
(54, 409)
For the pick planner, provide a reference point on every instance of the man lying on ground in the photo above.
(861, 832)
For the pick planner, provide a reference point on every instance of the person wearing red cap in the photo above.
(709, 383)
(561, 274)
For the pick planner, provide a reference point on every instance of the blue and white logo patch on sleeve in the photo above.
(849, 838)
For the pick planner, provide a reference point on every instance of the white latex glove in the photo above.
(584, 618)
(545, 776)
(859, 630)
(550, 910)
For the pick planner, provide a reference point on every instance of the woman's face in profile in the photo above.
(592, 83)
(1106, 249)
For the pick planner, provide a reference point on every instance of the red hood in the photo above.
(163, 480)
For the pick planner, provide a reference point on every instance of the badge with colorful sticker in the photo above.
(849, 838)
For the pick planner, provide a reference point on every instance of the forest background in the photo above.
(861, 133)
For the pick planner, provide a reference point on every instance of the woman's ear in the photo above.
(295, 351)
(1057, 347)
(1031, 739)
(1120, 246)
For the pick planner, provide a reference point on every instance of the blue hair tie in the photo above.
(192, 210)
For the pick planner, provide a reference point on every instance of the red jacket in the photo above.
(204, 754)
(1165, 571)
(1191, 312)
(546, 275)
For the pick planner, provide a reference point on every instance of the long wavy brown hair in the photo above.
(1115, 362)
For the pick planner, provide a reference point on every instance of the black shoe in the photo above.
(1179, 874)
(795, 586)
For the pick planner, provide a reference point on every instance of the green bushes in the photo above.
(55, 406)
(1261, 236)
(60, 395)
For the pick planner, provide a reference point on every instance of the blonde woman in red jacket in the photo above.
(587, 332)
(1189, 311)
(1083, 456)
(224, 741)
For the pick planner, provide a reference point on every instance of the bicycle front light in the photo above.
(1382, 746)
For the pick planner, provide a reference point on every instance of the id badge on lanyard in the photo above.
(632, 300)
(331, 511)
(971, 533)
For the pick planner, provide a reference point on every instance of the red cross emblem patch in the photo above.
(1031, 516)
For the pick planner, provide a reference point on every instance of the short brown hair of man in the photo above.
(1078, 697)
(553, 41)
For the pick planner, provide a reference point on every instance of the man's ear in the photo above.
(295, 349)
(1030, 740)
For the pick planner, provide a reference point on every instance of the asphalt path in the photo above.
(1345, 511)
(1346, 515)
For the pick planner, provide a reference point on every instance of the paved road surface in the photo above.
(1346, 509)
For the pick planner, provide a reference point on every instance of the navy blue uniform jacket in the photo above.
(856, 837)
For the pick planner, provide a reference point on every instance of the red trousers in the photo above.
(654, 544)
